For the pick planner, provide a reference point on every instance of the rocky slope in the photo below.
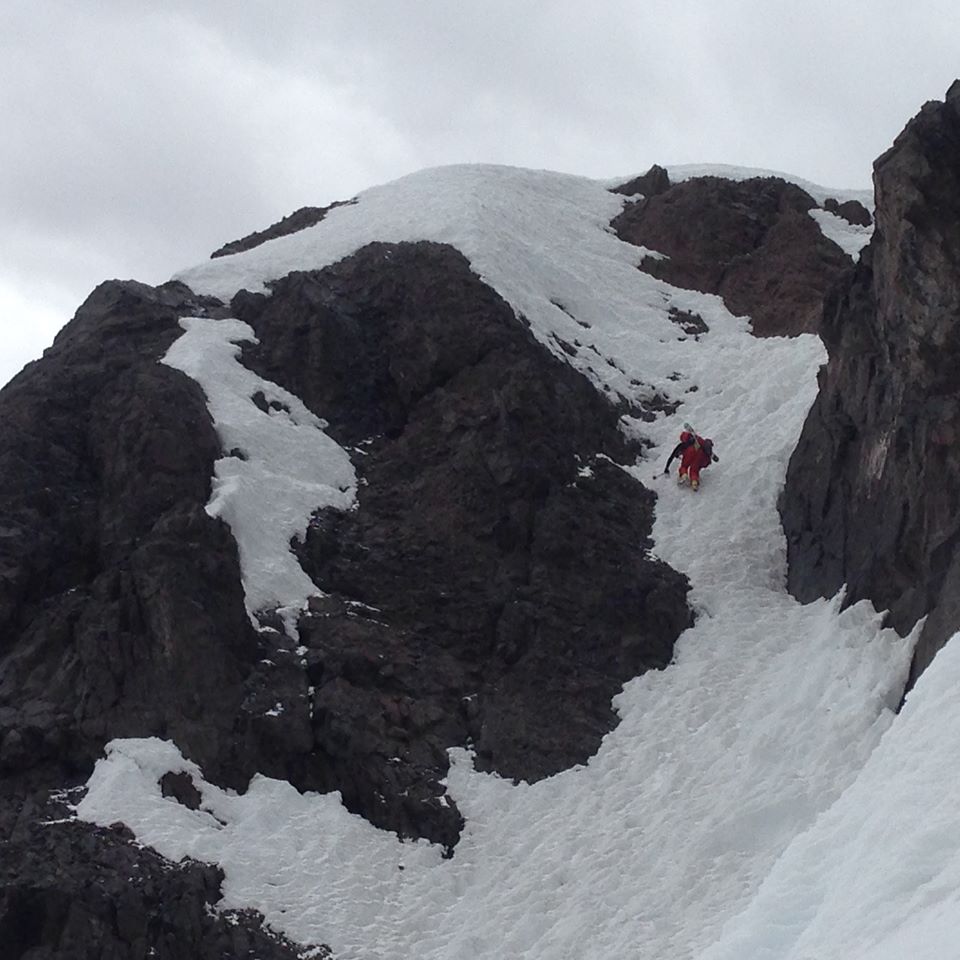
(871, 499)
(493, 588)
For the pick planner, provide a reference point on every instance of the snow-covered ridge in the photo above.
(541, 239)
(688, 171)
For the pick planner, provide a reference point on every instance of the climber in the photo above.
(696, 454)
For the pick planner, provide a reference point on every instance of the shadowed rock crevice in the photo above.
(872, 497)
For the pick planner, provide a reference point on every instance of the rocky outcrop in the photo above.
(872, 497)
(650, 184)
(121, 613)
(292, 223)
(752, 242)
(852, 211)
(73, 890)
(120, 604)
(493, 589)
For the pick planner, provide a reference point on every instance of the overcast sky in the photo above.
(136, 137)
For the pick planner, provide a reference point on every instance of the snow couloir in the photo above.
(676, 839)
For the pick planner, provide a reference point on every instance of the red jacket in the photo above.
(697, 452)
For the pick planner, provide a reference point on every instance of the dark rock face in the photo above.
(872, 491)
(121, 614)
(751, 242)
(293, 223)
(484, 592)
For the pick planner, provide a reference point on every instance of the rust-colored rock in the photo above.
(752, 242)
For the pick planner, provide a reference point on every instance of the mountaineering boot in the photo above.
(694, 484)
(681, 479)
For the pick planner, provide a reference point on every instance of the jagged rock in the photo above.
(650, 184)
(121, 614)
(120, 607)
(872, 498)
(293, 223)
(752, 242)
(851, 210)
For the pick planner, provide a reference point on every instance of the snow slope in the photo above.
(683, 836)
(878, 876)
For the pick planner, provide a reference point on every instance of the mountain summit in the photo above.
(347, 610)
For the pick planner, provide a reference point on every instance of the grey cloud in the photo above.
(137, 138)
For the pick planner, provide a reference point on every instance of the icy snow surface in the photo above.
(279, 467)
(748, 766)
(878, 876)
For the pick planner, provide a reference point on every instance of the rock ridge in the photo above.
(871, 495)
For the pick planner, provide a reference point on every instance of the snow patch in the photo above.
(280, 466)
(877, 877)
(849, 237)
